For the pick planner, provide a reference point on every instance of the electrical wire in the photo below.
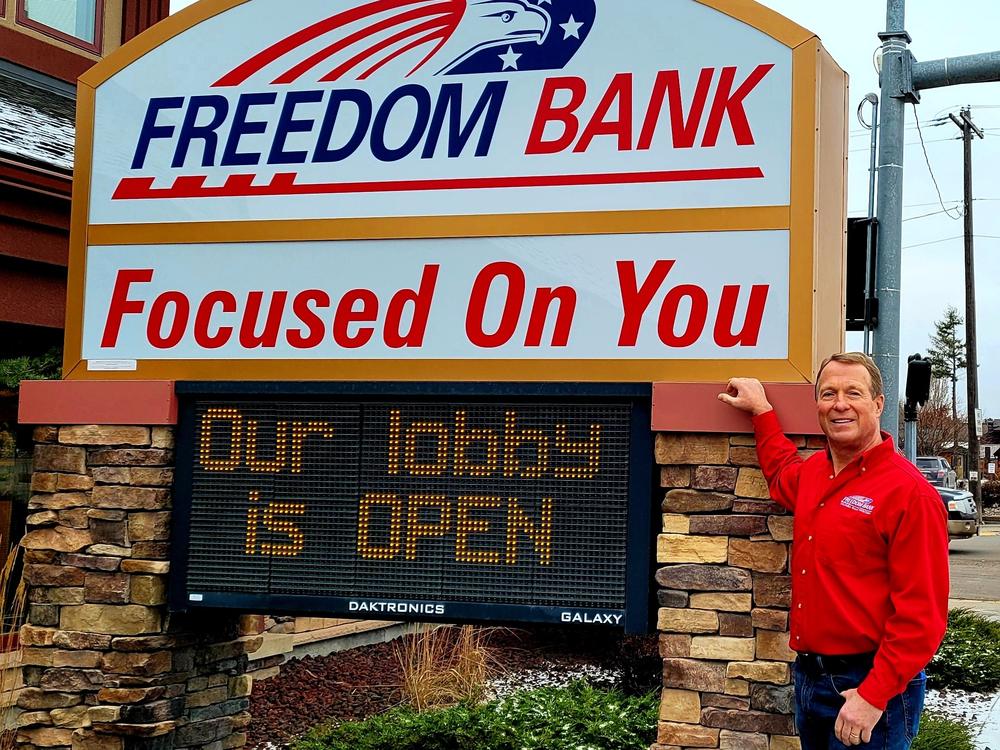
(934, 203)
(923, 216)
(868, 132)
(861, 118)
(935, 122)
(930, 169)
(912, 143)
(950, 239)
(933, 242)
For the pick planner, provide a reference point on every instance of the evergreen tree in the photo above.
(947, 356)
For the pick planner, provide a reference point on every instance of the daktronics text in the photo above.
(454, 120)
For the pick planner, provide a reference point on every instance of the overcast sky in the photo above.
(933, 276)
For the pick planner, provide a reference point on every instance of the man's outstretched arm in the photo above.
(779, 460)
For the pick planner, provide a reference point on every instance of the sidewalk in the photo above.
(990, 609)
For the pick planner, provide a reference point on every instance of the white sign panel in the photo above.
(639, 296)
(315, 109)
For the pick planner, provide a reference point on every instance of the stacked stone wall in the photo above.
(723, 599)
(105, 665)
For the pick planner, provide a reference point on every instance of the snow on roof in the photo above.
(36, 125)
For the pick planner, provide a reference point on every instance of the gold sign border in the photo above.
(815, 221)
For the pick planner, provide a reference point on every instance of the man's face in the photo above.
(848, 414)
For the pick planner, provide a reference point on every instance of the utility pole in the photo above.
(965, 124)
(902, 79)
(896, 61)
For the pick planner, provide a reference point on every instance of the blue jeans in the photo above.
(818, 702)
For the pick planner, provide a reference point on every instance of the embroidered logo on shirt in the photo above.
(860, 503)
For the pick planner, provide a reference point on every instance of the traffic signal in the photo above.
(857, 254)
(918, 379)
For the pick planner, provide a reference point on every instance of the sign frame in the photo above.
(643, 505)
(814, 218)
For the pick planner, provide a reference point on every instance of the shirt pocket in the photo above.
(849, 538)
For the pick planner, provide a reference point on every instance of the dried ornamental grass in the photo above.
(443, 666)
(12, 602)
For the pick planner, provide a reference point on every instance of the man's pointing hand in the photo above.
(746, 394)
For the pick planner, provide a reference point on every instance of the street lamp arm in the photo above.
(951, 71)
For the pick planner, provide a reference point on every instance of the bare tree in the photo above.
(937, 425)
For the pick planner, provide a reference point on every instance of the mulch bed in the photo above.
(362, 682)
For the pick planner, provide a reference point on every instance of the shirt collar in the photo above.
(873, 456)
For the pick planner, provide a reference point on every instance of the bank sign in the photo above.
(459, 189)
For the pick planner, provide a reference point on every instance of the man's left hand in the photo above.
(856, 720)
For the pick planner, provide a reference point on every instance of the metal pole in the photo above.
(895, 62)
(964, 121)
(872, 171)
(910, 438)
(952, 71)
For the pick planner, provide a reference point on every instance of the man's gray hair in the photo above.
(855, 358)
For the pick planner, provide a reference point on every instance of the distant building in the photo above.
(45, 45)
(989, 443)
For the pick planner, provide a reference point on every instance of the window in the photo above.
(73, 21)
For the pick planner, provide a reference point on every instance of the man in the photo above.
(869, 562)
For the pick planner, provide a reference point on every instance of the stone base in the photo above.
(724, 598)
(105, 665)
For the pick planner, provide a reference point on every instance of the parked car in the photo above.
(938, 471)
(961, 506)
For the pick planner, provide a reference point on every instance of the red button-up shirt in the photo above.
(869, 557)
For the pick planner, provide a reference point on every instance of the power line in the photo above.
(930, 169)
(933, 122)
(949, 239)
(924, 205)
(933, 242)
(859, 133)
(923, 216)
(911, 143)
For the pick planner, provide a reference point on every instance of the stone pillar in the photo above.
(106, 666)
(724, 596)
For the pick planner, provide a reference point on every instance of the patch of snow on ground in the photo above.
(506, 685)
(979, 711)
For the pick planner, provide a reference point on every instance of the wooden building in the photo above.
(44, 47)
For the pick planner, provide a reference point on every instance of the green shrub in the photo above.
(578, 717)
(939, 733)
(969, 657)
(45, 367)
(403, 728)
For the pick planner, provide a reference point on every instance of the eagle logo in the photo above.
(440, 37)
(492, 23)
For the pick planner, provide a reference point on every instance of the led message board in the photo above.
(455, 506)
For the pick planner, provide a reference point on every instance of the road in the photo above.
(975, 563)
